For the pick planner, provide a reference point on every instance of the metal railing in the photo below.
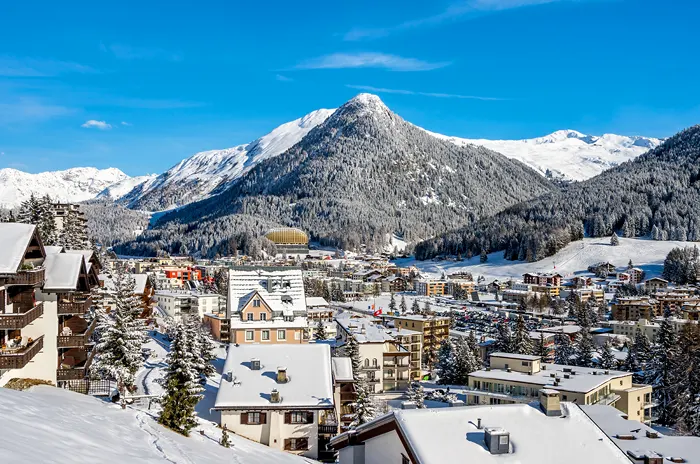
(18, 321)
(322, 428)
(20, 358)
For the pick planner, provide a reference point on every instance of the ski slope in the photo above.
(51, 425)
(574, 258)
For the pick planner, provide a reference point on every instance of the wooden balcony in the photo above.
(328, 429)
(77, 372)
(74, 306)
(77, 340)
(28, 277)
(18, 359)
(15, 321)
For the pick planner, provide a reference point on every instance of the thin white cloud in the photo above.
(94, 124)
(282, 78)
(126, 124)
(29, 110)
(39, 67)
(369, 88)
(128, 52)
(456, 11)
(370, 60)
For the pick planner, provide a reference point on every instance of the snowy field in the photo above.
(572, 259)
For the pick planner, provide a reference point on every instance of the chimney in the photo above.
(478, 423)
(274, 396)
(282, 375)
(255, 364)
(549, 402)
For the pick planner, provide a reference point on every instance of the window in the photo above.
(299, 417)
(263, 316)
(250, 316)
(296, 444)
(249, 335)
(256, 303)
(563, 397)
(374, 362)
(366, 362)
(526, 363)
(265, 335)
(253, 418)
(281, 335)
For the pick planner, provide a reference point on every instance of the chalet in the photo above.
(280, 396)
(397, 283)
(655, 283)
(635, 308)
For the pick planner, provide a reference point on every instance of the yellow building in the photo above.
(514, 378)
(435, 329)
(431, 287)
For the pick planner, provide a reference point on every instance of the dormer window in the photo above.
(256, 303)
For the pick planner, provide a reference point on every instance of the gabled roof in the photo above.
(63, 271)
(308, 367)
(15, 238)
(50, 249)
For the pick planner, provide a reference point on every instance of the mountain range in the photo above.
(564, 154)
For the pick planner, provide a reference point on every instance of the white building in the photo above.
(284, 287)
(280, 396)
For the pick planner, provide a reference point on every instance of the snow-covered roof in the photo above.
(62, 271)
(86, 253)
(282, 288)
(313, 301)
(582, 380)
(342, 369)
(140, 281)
(451, 435)
(50, 249)
(310, 384)
(80, 429)
(363, 329)
(613, 423)
(15, 238)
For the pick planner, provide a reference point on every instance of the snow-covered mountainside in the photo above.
(567, 154)
(71, 185)
(209, 172)
(121, 188)
(48, 424)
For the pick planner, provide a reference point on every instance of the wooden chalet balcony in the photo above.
(74, 305)
(17, 359)
(328, 429)
(77, 372)
(15, 321)
(77, 340)
(27, 277)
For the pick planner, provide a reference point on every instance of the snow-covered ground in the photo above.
(574, 258)
(121, 188)
(50, 425)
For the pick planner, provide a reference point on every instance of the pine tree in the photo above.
(465, 362)
(225, 440)
(321, 331)
(660, 373)
(607, 358)
(483, 256)
(415, 309)
(445, 365)
(182, 390)
(70, 236)
(584, 347)
(30, 211)
(563, 349)
(119, 349)
(642, 353)
(522, 343)
(47, 222)
(352, 351)
(427, 310)
(614, 240)
(392, 304)
(402, 305)
(416, 394)
(201, 345)
(364, 407)
(504, 341)
(541, 348)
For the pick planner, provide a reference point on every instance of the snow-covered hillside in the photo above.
(575, 257)
(71, 185)
(48, 424)
(121, 188)
(208, 172)
(567, 154)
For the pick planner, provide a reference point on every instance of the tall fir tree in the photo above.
(465, 362)
(320, 331)
(541, 349)
(392, 303)
(415, 308)
(201, 345)
(563, 349)
(660, 373)
(607, 358)
(402, 305)
(416, 394)
(504, 339)
(522, 343)
(445, 365)
(364, 406)
(182, 390)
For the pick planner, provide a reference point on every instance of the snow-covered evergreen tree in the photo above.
(392, 303)
(415, 308)
(504, 340)
(402, 305)
(465, 362)
(563, 349)
(225, 440)
(416, 394)
(427, 310)
(584, 348)
(614, 240)
(70, 236)
(521, 342)
(607, 358)
(541, 349)
(201, 345)
(182, 389)
(364, 407)
(119, 348)
(352, 351)
(660, 373)
(320, 331)
(445, 365)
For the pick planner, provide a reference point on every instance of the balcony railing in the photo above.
(27, 277)
(370, 368)
(18, 359)
(78, 340)
(333, 429)
(18, 321)
(74, 307)
(76, 372)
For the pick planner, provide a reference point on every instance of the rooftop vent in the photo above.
(229, 376)
(552, 375)
(595, 372)
(275, 396)
(282, 375)
(255, 364)
(607, 372)
(573, 372)
(509, 370)
(544, 367)
(567, 376)
(408, 405)
(497, 440)
(653, 434)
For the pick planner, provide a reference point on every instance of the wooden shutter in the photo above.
(263, 418)
(287, 417)
(287, 444)
(309, 417)
(244, 418)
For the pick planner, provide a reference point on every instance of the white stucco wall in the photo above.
(384, 449)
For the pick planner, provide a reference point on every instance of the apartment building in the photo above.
(412, 340)
(280, 396)
(318, 309)
(468, 286)
(260, 318)
(386, 364)
(590, 293)
(634, 308)
(547, 283)
(183, 303)
(430, 287)
(655, 284)
(513, 378)
(435, 330)
(344, 392)
(674, 301)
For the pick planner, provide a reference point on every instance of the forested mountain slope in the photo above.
(362, 174)
(658, 194)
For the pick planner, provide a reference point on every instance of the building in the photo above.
(548, 432)
(289, 241)
(435, 330)
(430, 287)
(28, 327)
(280, 396)
(344, 393)
(64, 212)
(634, 308)
(673, 302)
(655, 284)
(549, 279)
(318, 309)
(590, 293)
(412, 340)
(396, 283)
(143, 289)
(386, 365)
(468, 286)
(183, 274)
(513, 378)
(183, 303)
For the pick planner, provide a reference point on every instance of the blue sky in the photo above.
(141, 85)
